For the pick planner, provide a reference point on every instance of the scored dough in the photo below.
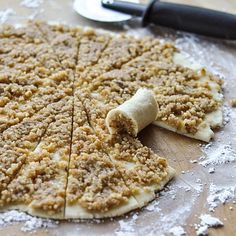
(89, 172)
(134, 114)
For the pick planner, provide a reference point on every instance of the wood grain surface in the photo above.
(178, 149)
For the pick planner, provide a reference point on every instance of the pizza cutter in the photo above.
(177, 16)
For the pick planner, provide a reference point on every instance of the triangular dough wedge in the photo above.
(39, 186)
(119, 51)
(142, 171)
(19, 140)
(64, 42)
(210, 120)
(95, 187)
(30, 77)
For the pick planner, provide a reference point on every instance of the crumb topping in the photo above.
(57, 84)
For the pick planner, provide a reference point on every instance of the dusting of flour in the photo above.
(219, 155)
(207, 221)
(177, 231)
(31, 3)
(127, 227)
(29, 222)
(219, 195)
(5, 14)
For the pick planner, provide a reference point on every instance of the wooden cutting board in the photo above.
(179, 150)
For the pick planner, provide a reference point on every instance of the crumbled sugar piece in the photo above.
(233, 102)
(198, 181)
(193, 161)
(187, 189)
(202, 230)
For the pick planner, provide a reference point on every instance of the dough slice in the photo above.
(27, 33)
(19, 140)
(39, 187)
(31, 77)
(120, 50)
(92, 44)
(63, 40)
(14, 112)
(209, 86)
(95, 187)
(33, 60)
(143, 172)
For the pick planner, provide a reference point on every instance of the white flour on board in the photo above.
(35, 13)
(31, 3)
(177, 231)
(205, 51)
(153, 206)
(221, 154)
(226, 114)
(29, 222)
(219, 195)
(5, 14)
(127, 227)
(207, 221)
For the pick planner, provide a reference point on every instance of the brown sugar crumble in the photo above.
(57, 84)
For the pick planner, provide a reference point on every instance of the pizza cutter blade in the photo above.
(93, 10)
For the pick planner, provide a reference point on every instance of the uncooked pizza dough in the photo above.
(57, 85)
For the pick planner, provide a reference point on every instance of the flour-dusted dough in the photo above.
(134, 114)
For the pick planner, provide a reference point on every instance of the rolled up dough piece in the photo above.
(134, 114)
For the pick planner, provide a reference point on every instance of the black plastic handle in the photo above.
(132, 8)
(191, 19)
